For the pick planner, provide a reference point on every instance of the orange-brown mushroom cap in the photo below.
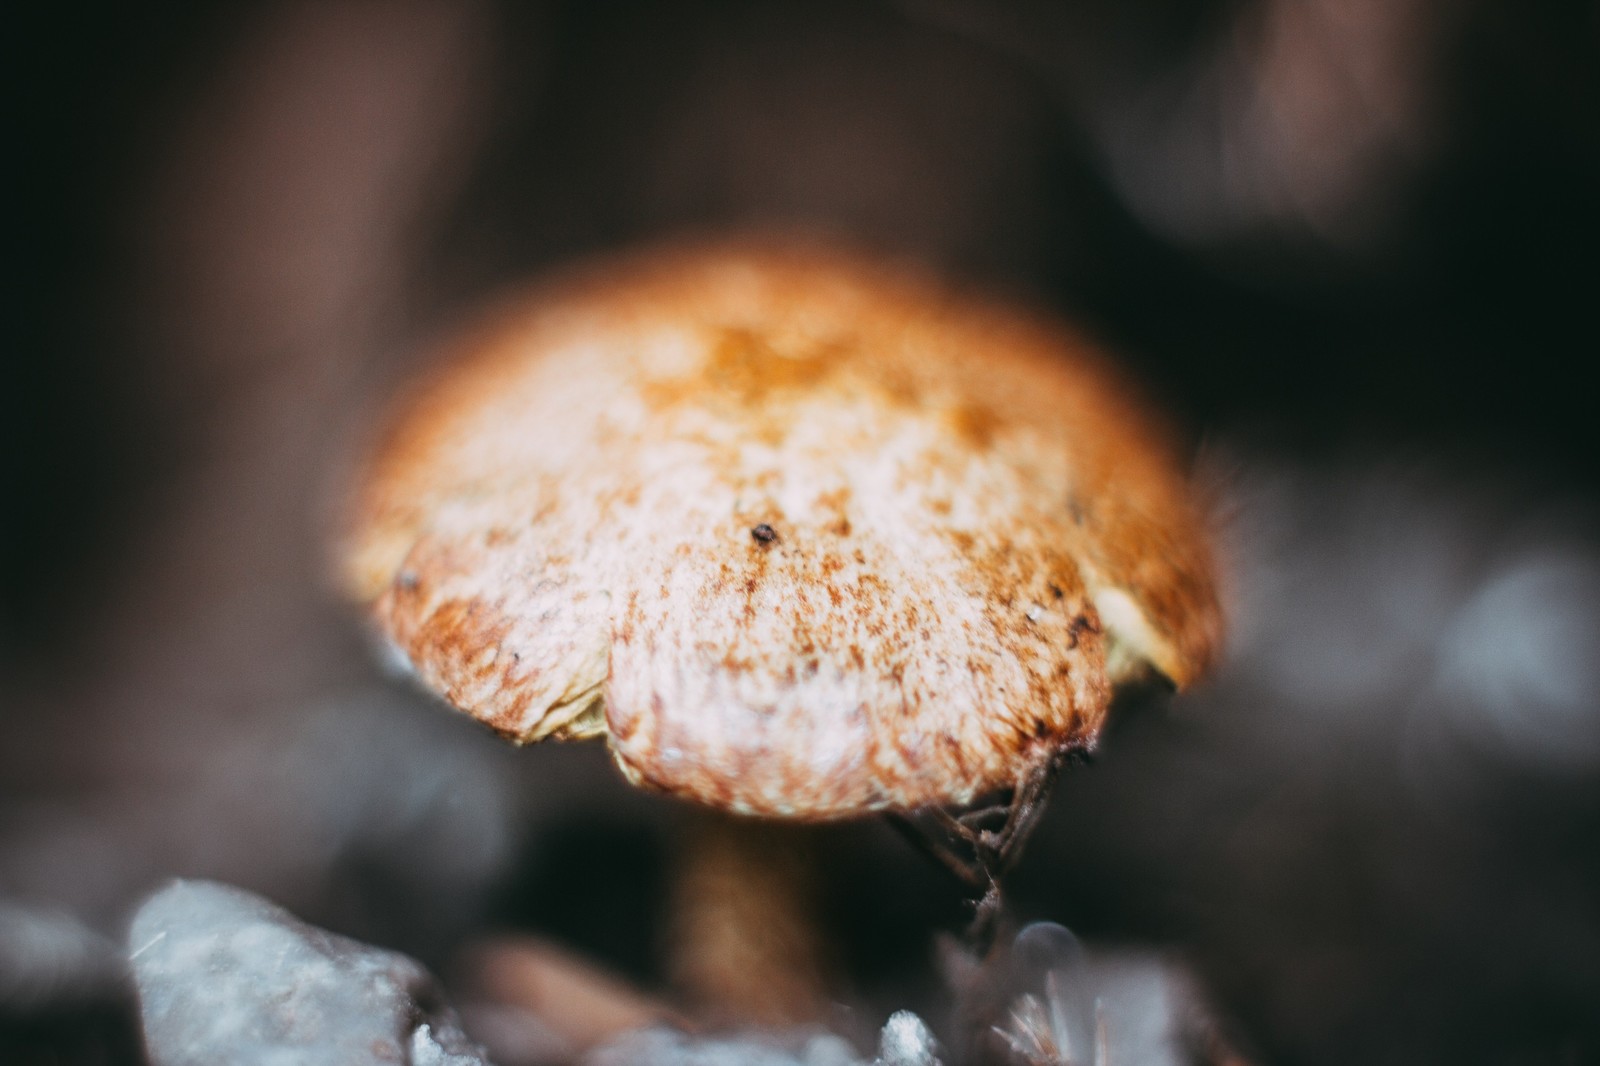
(798, 534)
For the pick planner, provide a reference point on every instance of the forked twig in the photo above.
(993, 851)
(935, 849)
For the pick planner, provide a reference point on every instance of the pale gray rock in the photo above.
(668, 1047)
(906, 1040)
(225, 976)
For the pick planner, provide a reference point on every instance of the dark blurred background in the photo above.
(1349, 243)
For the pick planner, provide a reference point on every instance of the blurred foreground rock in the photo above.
(225, 976)
(905, 1041)
(48, 958)
(63, 993)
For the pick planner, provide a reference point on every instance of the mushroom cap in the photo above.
(799, 534)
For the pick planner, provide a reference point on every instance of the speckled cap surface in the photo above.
(797, 534)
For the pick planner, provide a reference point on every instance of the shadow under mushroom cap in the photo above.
(797, 534)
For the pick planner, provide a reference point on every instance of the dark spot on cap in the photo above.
(764, 534)
(1078, 626)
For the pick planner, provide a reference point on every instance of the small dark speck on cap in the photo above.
(764, 534)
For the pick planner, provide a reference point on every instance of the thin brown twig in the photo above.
(935, 849)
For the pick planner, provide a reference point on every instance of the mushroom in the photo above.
(799, 535)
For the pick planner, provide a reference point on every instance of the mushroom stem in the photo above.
(744, 944)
